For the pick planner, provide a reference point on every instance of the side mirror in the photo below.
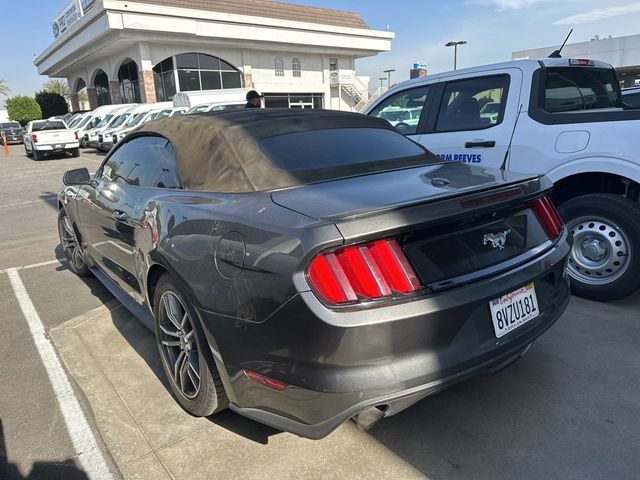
(77, 176)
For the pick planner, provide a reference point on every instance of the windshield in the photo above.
(198, 109)
(120, 120)
(48, 125)
(150, 117)
(93, 123)
(135, 118)
(75, 121)
(84, 121)
(163, 114)
(9, 125)
(105, 121)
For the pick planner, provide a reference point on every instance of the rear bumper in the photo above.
(339, 363)
(51, 148)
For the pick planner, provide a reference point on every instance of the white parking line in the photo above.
(84, 442)
(35, 265)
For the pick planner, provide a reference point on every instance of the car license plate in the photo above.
(514, 309)
(58, 146)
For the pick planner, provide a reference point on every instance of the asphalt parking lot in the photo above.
(569, 409)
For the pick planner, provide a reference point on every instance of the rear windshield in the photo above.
(9, 125)
(48, 125)
(321, 149)
(571, 89)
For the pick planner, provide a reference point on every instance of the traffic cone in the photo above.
(6, 146)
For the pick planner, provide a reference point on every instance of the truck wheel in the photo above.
(27, 152)
(604, 263)
(35, 155)
(75, 152)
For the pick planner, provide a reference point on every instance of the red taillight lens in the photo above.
(362, 272)
(76, 134)
(548, 216)
(34, 138)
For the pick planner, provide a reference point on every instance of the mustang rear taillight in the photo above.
(548, 216)
(363, 272)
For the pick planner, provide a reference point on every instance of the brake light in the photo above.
(34, 138)
(363, 272)
(583, 62)
(548, 216)
(76, 134)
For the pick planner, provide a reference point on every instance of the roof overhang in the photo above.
(110, 26)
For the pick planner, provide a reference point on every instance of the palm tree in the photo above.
(57, 85)
(4, 88)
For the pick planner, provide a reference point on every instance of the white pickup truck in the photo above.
(561, 117)
(44, 137)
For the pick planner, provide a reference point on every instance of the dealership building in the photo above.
(623, 53)
(212, 50)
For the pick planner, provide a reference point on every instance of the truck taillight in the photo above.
(548, 216)
(76, 134)
(34, 138)
(358, 273)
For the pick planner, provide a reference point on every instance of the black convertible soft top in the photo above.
(222, 151)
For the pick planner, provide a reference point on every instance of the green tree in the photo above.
(4, 88)
(51, 104)
(57, 85)
(23, 109)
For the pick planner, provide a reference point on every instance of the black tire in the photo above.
(71, 246)
(75, 152)
(209, 396)
(605, 257)
(27, 152)
(35, 155)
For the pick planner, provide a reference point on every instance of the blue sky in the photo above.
(492, 28)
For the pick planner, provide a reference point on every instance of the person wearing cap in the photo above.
(254, 100)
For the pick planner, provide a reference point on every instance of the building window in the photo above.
(279, 66)
(164, 80)
(197, 71)
(293, 100)
(129, 84)
(296, 67)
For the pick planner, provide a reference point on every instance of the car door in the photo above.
(458, 129)
(406, 110)
(107, 209)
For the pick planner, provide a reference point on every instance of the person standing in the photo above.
(254, 99)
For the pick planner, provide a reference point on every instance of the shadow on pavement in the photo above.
(65, 470)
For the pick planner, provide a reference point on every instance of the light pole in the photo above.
(388, 72)
(382, 79)
(455, 51)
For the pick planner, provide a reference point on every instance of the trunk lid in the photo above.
(455, 222)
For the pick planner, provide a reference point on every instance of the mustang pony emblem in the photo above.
(497, 240)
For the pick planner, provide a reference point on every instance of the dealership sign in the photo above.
(70, 15)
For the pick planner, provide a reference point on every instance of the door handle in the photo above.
(120, 216)
(482, 144)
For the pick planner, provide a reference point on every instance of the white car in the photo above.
(91, 136)
(45, 137)
(561, 117)
(215, 107)
(140, 119)
(92, 121)
(171, 112)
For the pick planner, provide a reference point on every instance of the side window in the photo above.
(631, 100)
(571, 89)
(403, 109)
(146, 161)
(473, 104)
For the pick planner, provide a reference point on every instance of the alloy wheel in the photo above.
(600, 252)
(179, 347)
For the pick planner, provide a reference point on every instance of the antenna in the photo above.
(556, 53)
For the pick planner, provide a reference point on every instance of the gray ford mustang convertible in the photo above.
(306, 267)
